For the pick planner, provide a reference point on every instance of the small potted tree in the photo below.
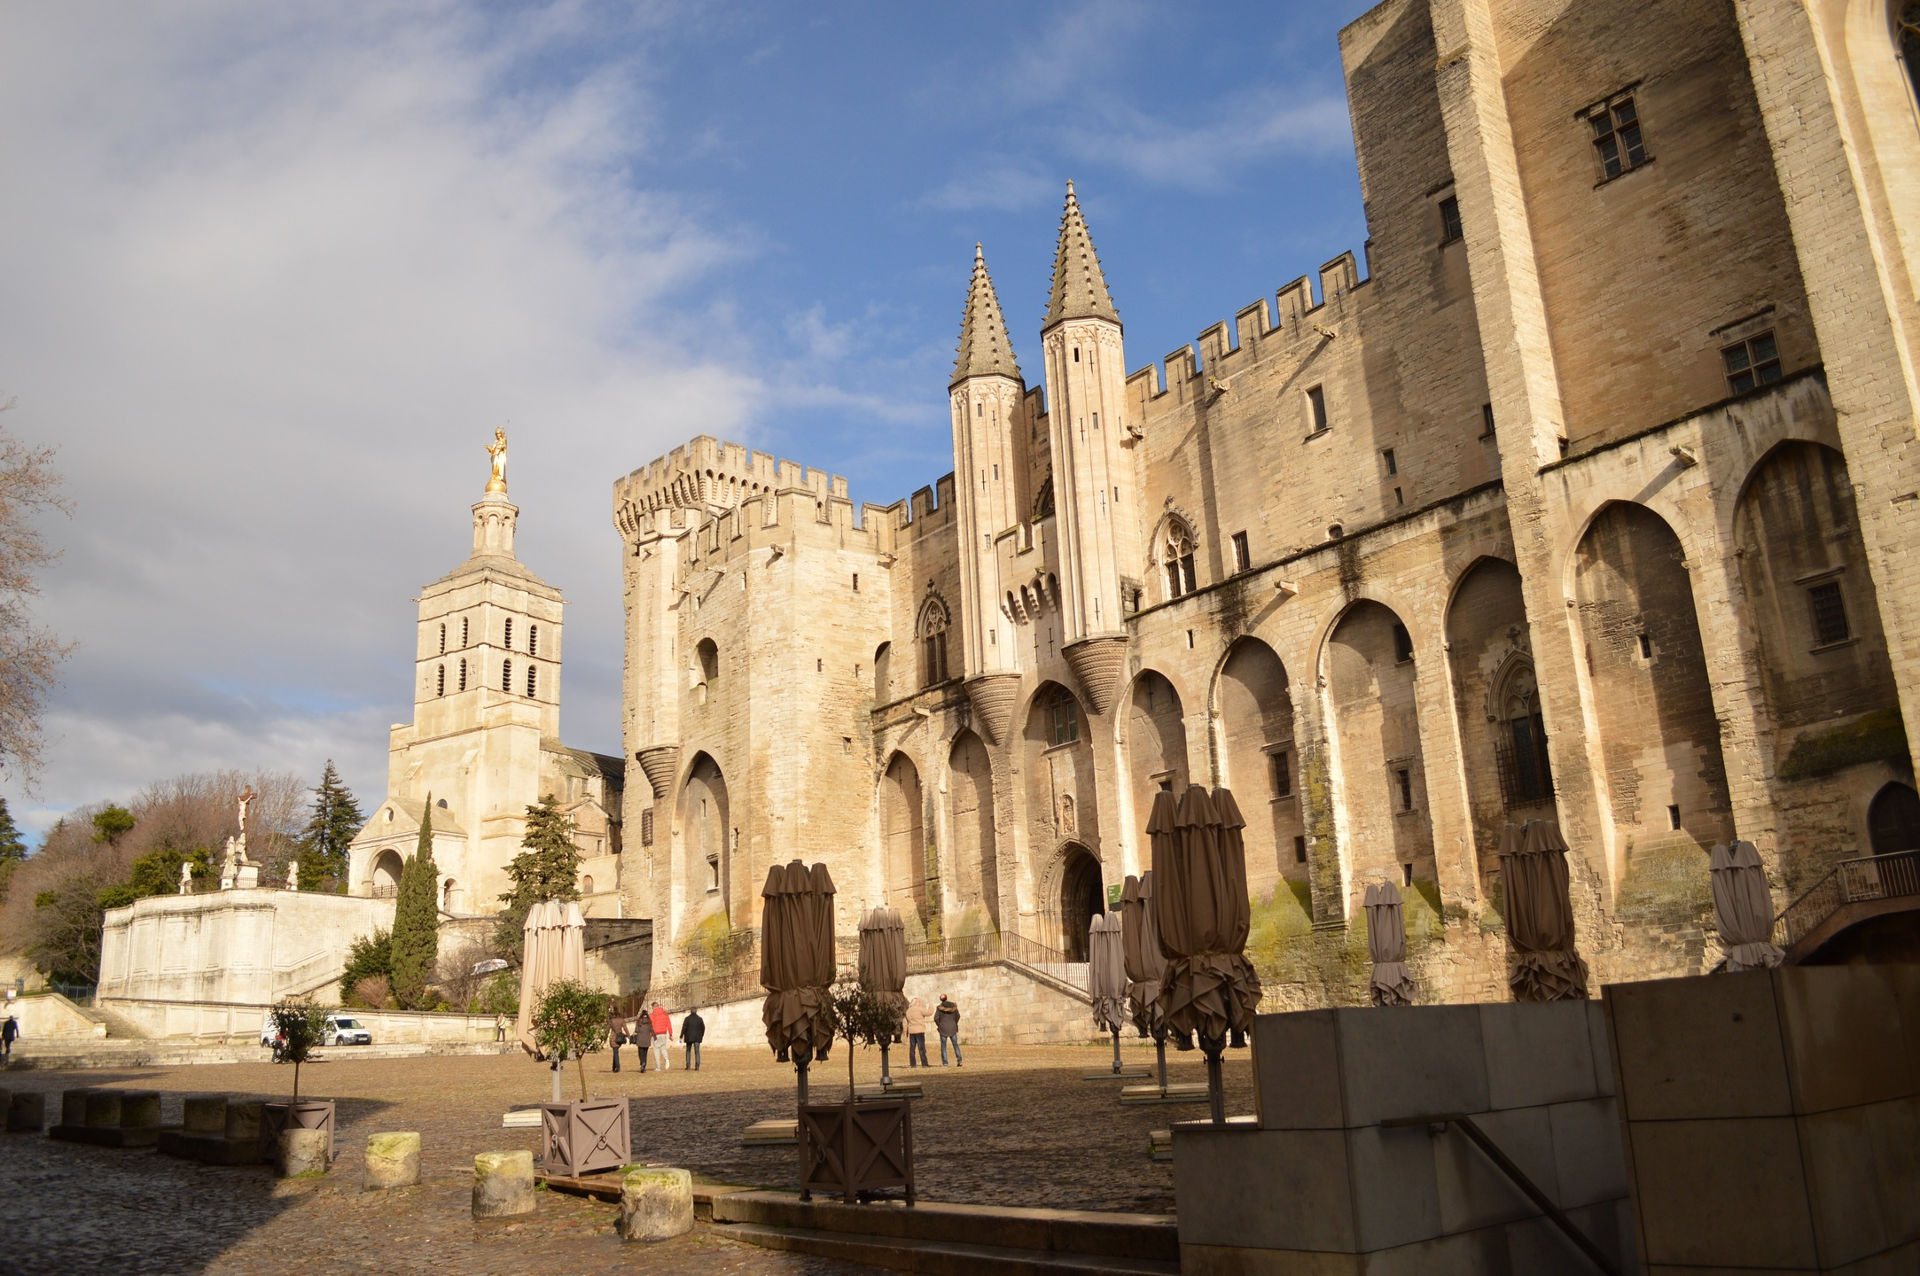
(300, 1027)
(862, 1146)
(585, 1135)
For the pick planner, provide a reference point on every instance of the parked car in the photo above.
(345, 1030)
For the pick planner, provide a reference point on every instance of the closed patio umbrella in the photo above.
(1391, 985)
(1201, 905)
(1742, 907)
(1141, 945)
(797, 963)
(883, 969)
(1546, 966)
(1107, 976)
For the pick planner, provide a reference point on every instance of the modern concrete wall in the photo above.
(1320, 1180)
(1772, 1118)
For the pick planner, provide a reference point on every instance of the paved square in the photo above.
(1015, 1126)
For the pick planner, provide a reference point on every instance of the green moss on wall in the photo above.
(1666, 881)
(1880, 736)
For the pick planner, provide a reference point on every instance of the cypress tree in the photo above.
(416, 920)
(12, 848)
(323, 844)
(548, 869)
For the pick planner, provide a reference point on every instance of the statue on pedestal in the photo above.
(246, 800)
(498, 451)
(230, 866)
(186, 879)
(293, 875)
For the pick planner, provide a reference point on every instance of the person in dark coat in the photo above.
(642, 1037)
(8, 1032)
(617, 1037)
(946, 1020)
(693, 1030)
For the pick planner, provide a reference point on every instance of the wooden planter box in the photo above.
(584, 1137)
(856, 1149)
(308, 1114)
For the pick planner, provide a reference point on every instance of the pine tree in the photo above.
(416, 920)
(12, 848)
(548, 869)
(323, 844)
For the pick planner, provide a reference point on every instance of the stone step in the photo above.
(941, 1258)
(1085, 1233)
(1176, 1092)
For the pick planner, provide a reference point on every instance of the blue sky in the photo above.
(276, 272)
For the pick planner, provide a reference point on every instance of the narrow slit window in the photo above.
(506, 676)
(443, 640)
(1242, 556)
(1406, 874)
(1646, 646)
(463, 676)
(463, 631)
(1317, 409)
(1402, 644)
(1388, 459)
(533, 640)
(507, 642)
(1281, 765)
(440, 681)
(1299, 849)
(1673, 816)
(1449, 220)
(533, 681)
(1404, 778)
(1486, 420)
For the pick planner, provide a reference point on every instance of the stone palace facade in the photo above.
(1592, 494)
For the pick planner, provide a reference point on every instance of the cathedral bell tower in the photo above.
(1094, 490)
(986, 395)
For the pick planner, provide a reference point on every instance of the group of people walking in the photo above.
(651, 1033)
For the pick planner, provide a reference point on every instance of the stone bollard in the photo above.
(26, 1112)
(139, 1109)
(300, 1151)
(502, 1184)
(103, 1109)
(204, 1114)
(656, 1204)
(393, 1160)
(73, 1107)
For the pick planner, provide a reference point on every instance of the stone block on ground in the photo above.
(103, 1109)
(502, 1184)
(73, 1107)
(656, 1203)
(393, 1160)
(243, 1119)
(140, 1110)
(26, 1112)
(300, 1151)
(204, 1114)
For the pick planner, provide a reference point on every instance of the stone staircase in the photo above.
(942, 1238)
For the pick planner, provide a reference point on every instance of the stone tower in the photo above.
(986, 395)
(1093, 478)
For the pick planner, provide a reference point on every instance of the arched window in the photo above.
(709, 655)
(463, 630)
(440, 681)
(508, 641)
(506, 676)
(533, 681)
(586, 884)
(463, 674)
(1520, 739)
(533, 640)
(1175, 553)
(446, 897)
(933, 642)
(443, 640)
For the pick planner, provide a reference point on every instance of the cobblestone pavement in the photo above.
(1016, 1126)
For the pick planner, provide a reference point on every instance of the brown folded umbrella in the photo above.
(1199, 898)
(1546, 965)
(1107, 971)
(883, 958)
(1145, 965)
(1390, 985)
(796, 929)
(1743, 908)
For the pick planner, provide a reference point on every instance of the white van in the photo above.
(345, 1030)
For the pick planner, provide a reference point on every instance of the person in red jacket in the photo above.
(662, 1037)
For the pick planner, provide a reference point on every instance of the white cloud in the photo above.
(274, 273)
(1244, 131)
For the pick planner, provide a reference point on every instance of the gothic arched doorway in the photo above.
(1893, 820)
(386, 874)
(1082, 898)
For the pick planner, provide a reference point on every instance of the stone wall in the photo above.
(241, 1023)
(49, 1015)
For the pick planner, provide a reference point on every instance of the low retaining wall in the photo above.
(49, 1015)
(229, 1021)
(1000, 1004)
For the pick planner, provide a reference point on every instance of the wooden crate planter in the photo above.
(307, 1114)
(856, 1149)
(584, 1137)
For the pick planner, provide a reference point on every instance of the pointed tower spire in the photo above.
(1079, 286)
(984, 347)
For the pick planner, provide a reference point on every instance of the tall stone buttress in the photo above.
(985, 395)
(1093, 480)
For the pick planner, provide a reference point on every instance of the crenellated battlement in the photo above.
(1295, 319)
(707, 473)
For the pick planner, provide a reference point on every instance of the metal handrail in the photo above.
(1894, 875)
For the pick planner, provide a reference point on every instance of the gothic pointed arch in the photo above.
(904, 838)
(1172, 557)
(1382, 815)
(930, 631)
(706, 851)
(1156, 743)
(975, 842)
(1253, 702)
